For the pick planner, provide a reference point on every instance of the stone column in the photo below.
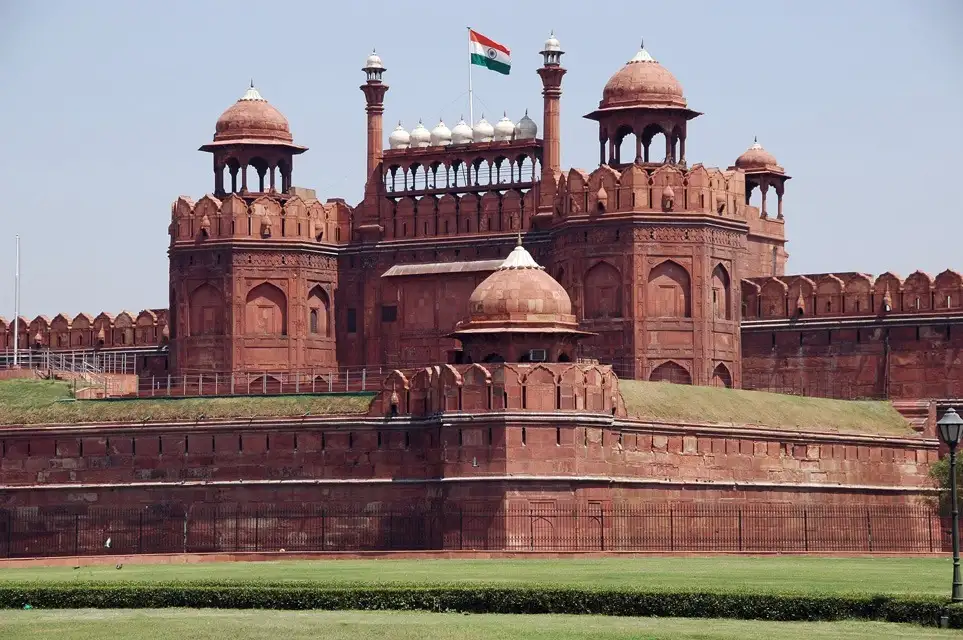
(551, 75)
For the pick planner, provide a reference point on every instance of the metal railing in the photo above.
(74, 360)
(261, 383)
(199, 528)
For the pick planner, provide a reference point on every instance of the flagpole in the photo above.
(16, 305)
(471, 105)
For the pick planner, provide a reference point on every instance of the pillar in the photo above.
(374, 93)
(764, 187)
(780, 190)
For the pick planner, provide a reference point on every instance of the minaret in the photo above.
(374, 94)
(551, 73)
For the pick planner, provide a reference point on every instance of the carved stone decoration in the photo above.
(668, 198)
(267, 227)
(205, 226)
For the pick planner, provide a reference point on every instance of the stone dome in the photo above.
(440, 135)
(483, 131)
(520, 290)
(755, 157)
(420, 137)
(373, 61)
(461, 133)
(552, 44)
(526, 129)
(399, 138)
(642, 82)
(252, 118)
(504, 129)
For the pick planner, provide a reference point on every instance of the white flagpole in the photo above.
(471, 105)
(16, 306)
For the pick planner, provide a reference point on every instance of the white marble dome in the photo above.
(504, 129)
(483, 131)
(552, 44)
(420, 137)
(461, 133)
(526, 129)
(373, 62)
(399, 138)
(440, 135)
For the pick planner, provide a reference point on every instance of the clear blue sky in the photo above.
(105, 104)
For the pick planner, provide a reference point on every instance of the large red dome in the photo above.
(642, 82)
(252, 118)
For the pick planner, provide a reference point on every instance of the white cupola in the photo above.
(483, 131)
(504, 129)
(440, 135)
(461, 133)
(526, 129)
(419, 137)
(399, 138)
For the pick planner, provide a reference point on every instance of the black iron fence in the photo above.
(176, 528)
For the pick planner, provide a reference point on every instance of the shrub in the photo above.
(487, 599)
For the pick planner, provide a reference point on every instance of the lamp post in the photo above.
(950, 427)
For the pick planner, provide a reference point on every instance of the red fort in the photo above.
(503, 297)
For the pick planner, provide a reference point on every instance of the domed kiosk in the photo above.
(519, 314)
(252, 133)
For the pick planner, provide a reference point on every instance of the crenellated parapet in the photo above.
(658, 188)
(481, 388)
(266, 217)
(84, 331)
(850, 294)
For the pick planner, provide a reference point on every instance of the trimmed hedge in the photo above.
(487, 599)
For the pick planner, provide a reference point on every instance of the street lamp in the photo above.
(951, 427)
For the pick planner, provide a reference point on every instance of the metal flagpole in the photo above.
(471, 105)
(16, 306)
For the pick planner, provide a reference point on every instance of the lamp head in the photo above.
(950, 428)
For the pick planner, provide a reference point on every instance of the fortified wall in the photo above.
(848, 335)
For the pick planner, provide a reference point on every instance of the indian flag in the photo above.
(488, 53)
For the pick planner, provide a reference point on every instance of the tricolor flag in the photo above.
(488, 53)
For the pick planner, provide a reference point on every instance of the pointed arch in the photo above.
(266, 311)
(205, 311)
(319, 312)
(603, 291)
(669, 291)
(670, 371)
(721, 377)
(721, 293)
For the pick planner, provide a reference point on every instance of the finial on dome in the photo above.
(252, 83)
(755, 139)
(519, 243)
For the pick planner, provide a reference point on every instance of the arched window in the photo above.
(603, 292)
(319, 310)
(205, 311)
(266, 311)
(721, 300)
(668, 291)
(721, 377)
(670, 372)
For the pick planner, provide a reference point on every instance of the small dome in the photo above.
(373, 61)
(399, 138)
(755, 157)
(520, 290)
(461, 133)
(504, 129)
(483, 131)
(420, 137)
(552, 44)
(440, 135)
(526, 129)
(252, 117)
(668, 192)
(642, 82)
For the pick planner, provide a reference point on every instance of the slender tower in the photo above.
(551, 73)
(374, 94)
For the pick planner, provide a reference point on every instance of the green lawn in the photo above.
(49, 401)
(203, 624)
(923, 576)
(681, 403)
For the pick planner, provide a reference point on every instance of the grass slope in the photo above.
(207, 624)
(683, 403)
(48, 401)
(784, 574)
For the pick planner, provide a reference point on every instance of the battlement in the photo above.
(265, 217)
(850, 294)
(664, 187)
(147, 328)
(479, 388)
